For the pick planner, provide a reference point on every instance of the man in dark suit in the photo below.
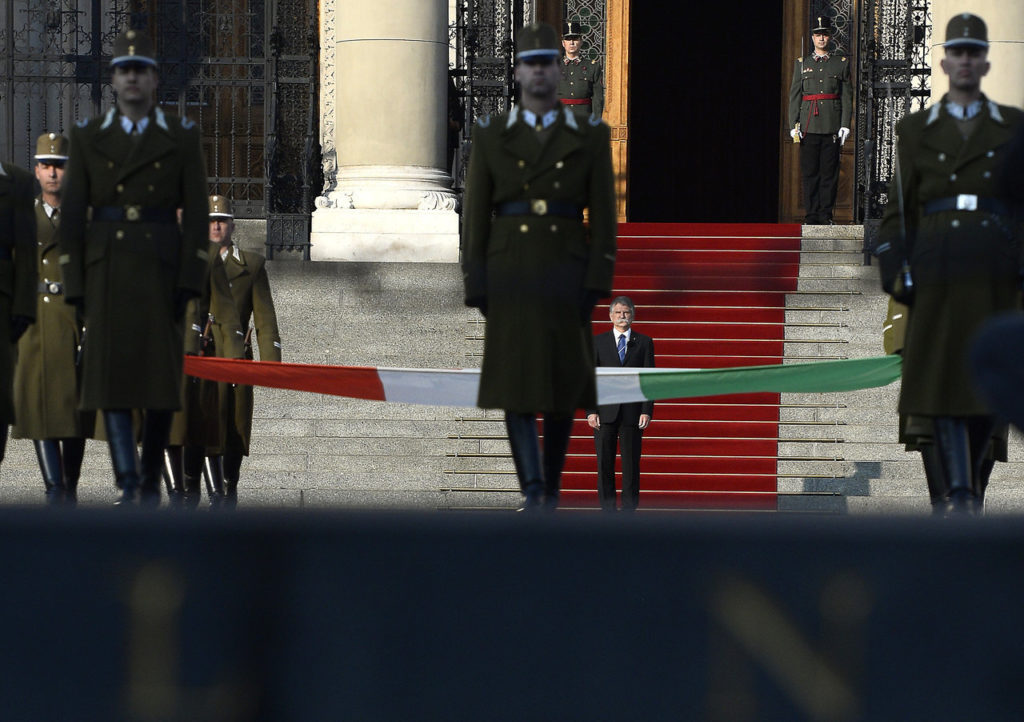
(623, 423)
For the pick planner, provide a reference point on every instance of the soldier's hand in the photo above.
(793, 133)
(19, 325)
(843, 135)
(594, 421)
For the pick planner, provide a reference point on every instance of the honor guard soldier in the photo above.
(46, 378)
(128, 264)
(820, 109)
(949, 249)
(239, 293)
(582, 84)
(18, 280)
(531, 266)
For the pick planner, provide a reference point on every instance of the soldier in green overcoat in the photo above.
(46, 377)
(820, 110)
(950, 251)
(239, 296)
(18, 280)
(581, 86)
(128, 264)
(531, 266)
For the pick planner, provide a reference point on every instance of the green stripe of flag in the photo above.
(817, 377)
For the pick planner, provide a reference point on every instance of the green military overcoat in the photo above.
(532, 272)
(965, 264)
(240, 292)
(821, 77)
(18, 277)
(130, 272)
(582, 80)
(46, 377)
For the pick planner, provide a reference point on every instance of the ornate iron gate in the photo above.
(244, 70)
(893, 80)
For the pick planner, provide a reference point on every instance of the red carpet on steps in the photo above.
(711, 296)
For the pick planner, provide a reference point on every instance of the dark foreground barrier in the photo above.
(363, 616)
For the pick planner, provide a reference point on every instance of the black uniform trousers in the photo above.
(819, 167)
(630, 436)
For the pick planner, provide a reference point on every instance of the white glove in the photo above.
(843, 133)
(794, 132)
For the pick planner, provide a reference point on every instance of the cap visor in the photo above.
(50, 157)
(965, 42)
(132, 59)
(543, 52)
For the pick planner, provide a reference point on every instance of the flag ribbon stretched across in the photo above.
(458, 387)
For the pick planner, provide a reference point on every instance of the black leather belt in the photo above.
(51, 287)
(967, 202)
(134, 214)
(5, 253)
(540, 207)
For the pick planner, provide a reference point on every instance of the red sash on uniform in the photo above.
(814, 98)
(576, 101)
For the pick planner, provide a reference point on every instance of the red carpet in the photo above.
(711, 295)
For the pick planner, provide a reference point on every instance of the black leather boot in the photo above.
(194, 458)
(953, 446)
(72, 451)
(213, 471)
(48, 453)
(556, 442)
(938, 488)
(232, 471)
(156, 429)
(522, 437)
(173, 472)
(121, 440)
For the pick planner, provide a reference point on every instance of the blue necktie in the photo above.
(622, 349)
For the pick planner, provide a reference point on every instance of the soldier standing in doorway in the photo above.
(46, 378)
(820, 109)
(128, 265)
(582, 84)
(239, 294)
(18, 280)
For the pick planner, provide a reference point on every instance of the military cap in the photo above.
(966, 30)
(132, 46)
(220, 207)
(822, 24)
(51, 146)
(572, 29)
(537, 40)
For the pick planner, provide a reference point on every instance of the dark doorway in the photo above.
(704, 111)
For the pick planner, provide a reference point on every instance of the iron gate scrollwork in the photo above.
(893, 79)
(244, 70)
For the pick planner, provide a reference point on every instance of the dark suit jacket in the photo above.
(639, 353)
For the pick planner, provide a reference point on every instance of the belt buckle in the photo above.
(53, 288)
(967, 202)
(539, 207)
(132, 213)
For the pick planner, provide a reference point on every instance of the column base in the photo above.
(380, 235)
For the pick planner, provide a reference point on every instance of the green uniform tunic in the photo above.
(532, 272)
(46, 378)
(18, 278)
(240, 293)
(821, 77)
(130, 272)
(965, 264)
(582, 80)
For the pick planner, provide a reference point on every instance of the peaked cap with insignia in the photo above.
(133, 46)
(51, 146)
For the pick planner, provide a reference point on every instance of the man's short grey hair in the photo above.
(625, 301)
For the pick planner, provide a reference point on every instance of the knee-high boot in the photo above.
(72, 451)
(938, 488)
(48, 453)
(522, 437)
(953, 445)
(214, 469)
(121, 440)
(156, 429)
(193, 466)
(232, 470)
(556, 442)
(172, 473)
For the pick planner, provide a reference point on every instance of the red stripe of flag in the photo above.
(359, 382)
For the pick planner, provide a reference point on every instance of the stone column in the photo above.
(387, 194)
(1005, 21)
